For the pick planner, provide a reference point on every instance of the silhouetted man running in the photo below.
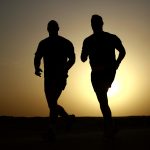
(100, 48)
(58, 56)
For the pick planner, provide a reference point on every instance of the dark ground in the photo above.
(21, 133)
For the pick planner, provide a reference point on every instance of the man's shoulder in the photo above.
(112, 38)
(89, 38)
(110, 35)
(64, 39)
(44, 40)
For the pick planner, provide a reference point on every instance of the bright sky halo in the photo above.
(22, 93)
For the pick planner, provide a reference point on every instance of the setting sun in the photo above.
(22, 93)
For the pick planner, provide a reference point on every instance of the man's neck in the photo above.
(53, 34)
(98, 32)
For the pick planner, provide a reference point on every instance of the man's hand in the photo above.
(38, 72)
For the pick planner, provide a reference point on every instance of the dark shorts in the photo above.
(55, 83)
(55, 79)
(102, 79)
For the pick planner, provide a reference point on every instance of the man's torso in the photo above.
(101, 50)
(55, 53)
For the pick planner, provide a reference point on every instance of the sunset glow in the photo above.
(23, 25)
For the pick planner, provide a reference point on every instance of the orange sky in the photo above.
(23, 25)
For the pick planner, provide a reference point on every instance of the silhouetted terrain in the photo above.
(86, 133)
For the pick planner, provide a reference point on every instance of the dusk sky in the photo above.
(23, 24)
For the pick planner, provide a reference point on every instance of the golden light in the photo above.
(113, 91)
(84, 98)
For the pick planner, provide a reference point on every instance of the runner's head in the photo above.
(53, 27)
(97, 23)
